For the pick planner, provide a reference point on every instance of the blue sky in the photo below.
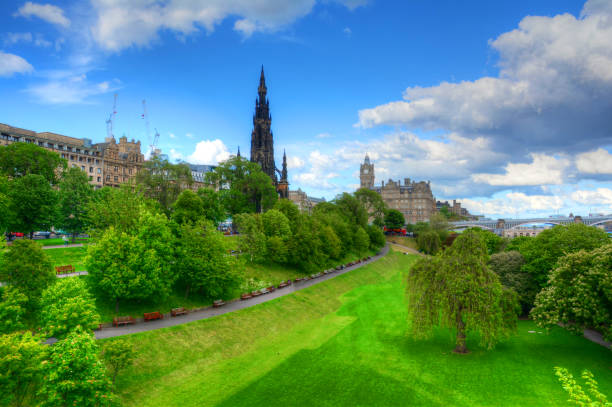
(502, 105)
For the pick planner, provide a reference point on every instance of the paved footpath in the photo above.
(231, 306)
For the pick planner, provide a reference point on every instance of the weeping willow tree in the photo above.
(456, 289)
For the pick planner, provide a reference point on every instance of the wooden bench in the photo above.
(150, 316)
(127, 320)
(256, 293)
(271, 288)
(64, 269)
(283, 284)
(218, 303)
(246, 296)
(179, 311)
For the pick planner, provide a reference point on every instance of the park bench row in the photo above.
(64, 269)
(150, 316)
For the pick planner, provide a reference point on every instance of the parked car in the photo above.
(46, 235)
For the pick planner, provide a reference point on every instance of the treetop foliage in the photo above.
(394, 219)
(21, 159)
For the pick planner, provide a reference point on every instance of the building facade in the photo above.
(413, 199)
(304, 202)
(107, 164)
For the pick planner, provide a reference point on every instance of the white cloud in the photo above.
(175, 155)
(209, 152)
(552, 92)
(595, 162)
(294, 162)
(48, 12)
(322, 168)
(599, 196)
(323, 135)
(542, 170)
(513, 203)
(14, 38)
(171, 135)
(72, 89)
(11, 64)
(124, 23)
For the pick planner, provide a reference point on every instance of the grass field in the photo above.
(403, 241)
(58, 241)
(343, 343)
(68, 255)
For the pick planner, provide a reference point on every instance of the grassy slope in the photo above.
(69, 255)
(343, 342)
(403, 241)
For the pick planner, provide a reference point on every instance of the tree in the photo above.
(21, 358)
(456, 289)
(493, 242)
(134, 266)
(67, 305)
(75, 192)
(276, 249)
(542, 252)
(203, 263)
(352, 209)
(305, 247)
(118, 354)
(579, 293)
(116, 207)
(6, 216)
(212, 205)
(377, 238)
(73, 375)
(428, 242)
(21, 159)
(594, 398)
(507, 266)
(12, 310)
(252, 240)
(25, 266)
(244, 187)
(290, 210)
(362, 241)
(163, 182)
(394, 219)
(331, 243)
(188, 208)
(373, 203)
(439, 224)
(33, 203)
(275, 223)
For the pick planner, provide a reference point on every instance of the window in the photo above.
(99, 170)
(89, 160)
(81, 159)
(116, 178)
(130, 171)
(60, 147)
(90, 169)
(63, 155)
(82, 167)
(116, 169)
(78, 150)
(97, 161)
(50, 145)
(108, 177)
(99, 179)
(68, 148)
(40, 143)
(72, 157)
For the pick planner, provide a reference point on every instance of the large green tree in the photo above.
(212, 205)
(508, 266)
(6, 216)
(542, 252)
(252, 240)
(73, 375)
(33, 204)
(118, 355)
(290, 210)
(75, 192)
(25, 266)
(275, 223)
(428, 242)
(188, 208)
(362, 241)
(12, 310)
(21, 159)
(203, 262)
(163, 181)
(353, 209)
(456, 289)
(67, 305)
(494, 242)
(21, 362)
(137, 265)
(373, 203)
(394, 219)
(116, 207)
(579, 293)
(243, 186)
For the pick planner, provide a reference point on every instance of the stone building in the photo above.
(413, 199)
(304, 202)
(107, 164)
(262, 141)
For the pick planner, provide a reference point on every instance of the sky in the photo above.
(505, 106)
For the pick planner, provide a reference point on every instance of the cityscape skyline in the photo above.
(505, 113)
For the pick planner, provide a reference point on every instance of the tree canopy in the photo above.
(33, 204)
(188, 208)
(394, 219)
(373, 203)
(21, 159)
(508, 266)
(456, 289)
(212, 205)
(163, 181)
(75, 192)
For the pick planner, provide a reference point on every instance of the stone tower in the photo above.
(262, 143)
(366, 173)
(283, 184)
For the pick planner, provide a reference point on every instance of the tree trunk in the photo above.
(461, 346)
(187, 290)
(116, 305)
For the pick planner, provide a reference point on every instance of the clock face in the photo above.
(366, 171)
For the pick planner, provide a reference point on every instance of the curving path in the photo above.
(234, 305)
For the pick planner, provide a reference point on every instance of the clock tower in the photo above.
(366, 173)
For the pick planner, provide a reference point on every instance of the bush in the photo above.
(507, 265)
(428, 242)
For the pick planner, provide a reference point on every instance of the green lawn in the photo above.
(58, 241)
(68, 255)
(343, 343)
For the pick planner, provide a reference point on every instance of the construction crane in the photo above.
(111, 118)
(152, 144)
